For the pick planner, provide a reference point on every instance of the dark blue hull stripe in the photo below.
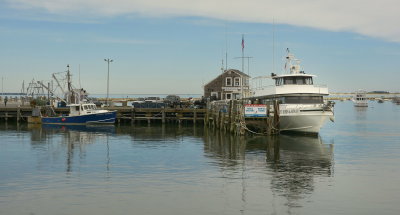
(108, 117)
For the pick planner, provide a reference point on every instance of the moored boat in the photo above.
(86, 113)
(81, 111)
(301, 103)
(360, 99)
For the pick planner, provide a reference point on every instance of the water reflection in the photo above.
(361, 113)
(73, 137)
(287, 165)
(159, 132)
(293, 161)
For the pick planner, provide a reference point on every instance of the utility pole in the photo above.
(108, 60)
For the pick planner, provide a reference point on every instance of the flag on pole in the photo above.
(242, 42)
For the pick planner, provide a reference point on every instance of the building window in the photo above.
(214, 95)
(228, 81)
(237, 81)
(246, 82)
(229, 96)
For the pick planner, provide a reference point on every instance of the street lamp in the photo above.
(108, 60)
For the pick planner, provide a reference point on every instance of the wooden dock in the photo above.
(124, 114)
(228, 117)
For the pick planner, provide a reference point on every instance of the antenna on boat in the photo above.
(222, 66)
(79, 68)
(287, 59)
(69, 79)
(273, 45)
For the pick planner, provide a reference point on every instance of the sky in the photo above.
(177, 46)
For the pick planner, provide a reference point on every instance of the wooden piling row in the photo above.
(232, 119)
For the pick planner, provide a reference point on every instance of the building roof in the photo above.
(229, 70)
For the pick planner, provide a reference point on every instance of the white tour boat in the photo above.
(301, 103)
(360, 99)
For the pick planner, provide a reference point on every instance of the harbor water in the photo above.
(351, 167)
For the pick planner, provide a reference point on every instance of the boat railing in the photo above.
(265, 87)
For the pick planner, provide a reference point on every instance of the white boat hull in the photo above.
(307, 122)
(360, 104)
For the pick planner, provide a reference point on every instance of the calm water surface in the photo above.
(352, 167)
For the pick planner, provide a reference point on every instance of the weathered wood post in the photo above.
(241, 117)
(194, 116)
(132, 115)
(233, 116)
(276, 123)
(163, 115)
(214, 117)
(206, 117)
(18, 113)
(119, 115)
(217, 116)
(267, 121)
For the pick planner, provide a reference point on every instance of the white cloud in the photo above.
(371, 18)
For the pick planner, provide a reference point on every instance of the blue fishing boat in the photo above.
(80, 110)
(86, 113)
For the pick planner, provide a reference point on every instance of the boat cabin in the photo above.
(298, 79)
(82, 109)
(295, 88)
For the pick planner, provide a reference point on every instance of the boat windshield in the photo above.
(292, 80)
(303, 100)
(89, 107)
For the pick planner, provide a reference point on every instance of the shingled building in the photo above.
(231, 84)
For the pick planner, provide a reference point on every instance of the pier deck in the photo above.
(230, 118)
(123, 114)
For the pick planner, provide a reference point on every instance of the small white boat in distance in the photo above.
(360, 99)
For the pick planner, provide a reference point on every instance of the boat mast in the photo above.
(69, 79)
(70, 91)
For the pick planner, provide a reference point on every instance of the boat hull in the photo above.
(310, 122)
(96, 118)
(359, 104)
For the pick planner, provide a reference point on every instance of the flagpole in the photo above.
(242, 65)
(226, 48)
(242, 52)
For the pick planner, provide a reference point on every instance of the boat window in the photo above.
(303, 100)
(77, 108)
(289, 80)
(295, 80)
(300, 81)
(309, 81)
(278, 81)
